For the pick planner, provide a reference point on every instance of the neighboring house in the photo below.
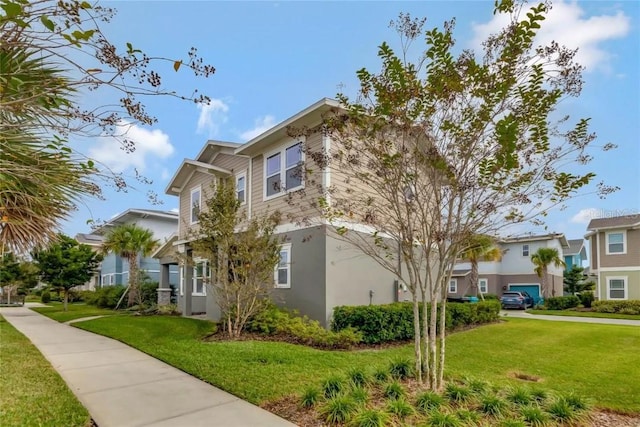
(515, 271)
(95, 242)
(615, 257)
(114, 270)
(575, 254)
(317, 272)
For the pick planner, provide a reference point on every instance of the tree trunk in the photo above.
(433, 322)
(416, 337)
(426, 362)
(474, 277)
(545, 291)
(66, 298)
(133, 279)
(443, 334)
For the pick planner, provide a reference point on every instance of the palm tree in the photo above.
(480, 247)
(542, 259)
(129, 241)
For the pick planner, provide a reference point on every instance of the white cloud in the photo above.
(165, 174)
(212, 116)
(262, 124)
(586, 215)
(175, 210)
(566, 24)
(149, 144)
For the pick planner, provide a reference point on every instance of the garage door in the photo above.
(532, 289)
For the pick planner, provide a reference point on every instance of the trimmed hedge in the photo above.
(621, 307)
(562, 303)
(394, 322)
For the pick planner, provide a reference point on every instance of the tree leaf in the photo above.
(47, 23)
(176, 65)
(12, 9)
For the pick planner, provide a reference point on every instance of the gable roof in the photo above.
(212, 147)
(89, 239)
(186, 170)
(532, 238)
(131, 214)
(313, 114)
(624, 221)
(576, 246)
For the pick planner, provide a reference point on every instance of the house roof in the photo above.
(186, 170)
(166, 248)
(89, 239)
(131, 214)
(313, 114)
(533, 238)
(212, 147)
(624, 221)
(576, 246)
(460, 273)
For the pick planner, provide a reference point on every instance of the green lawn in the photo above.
(585, 314)
(597, 361)
(31, 391)
(75, 311)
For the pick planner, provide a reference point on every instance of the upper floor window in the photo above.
(195, 204)
(525, 250)
(282, 272)
(241, 188)
(616, 243)
(453, 286)
(284, 171)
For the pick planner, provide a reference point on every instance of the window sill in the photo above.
(266, 198)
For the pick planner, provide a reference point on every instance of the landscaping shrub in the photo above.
(149, 293)
(45, 297)
(105, 297)
(587, 298)
(621, 307)
(300, 329)
(310, 397)
(562, 303)
(394, 322)
(338, 410)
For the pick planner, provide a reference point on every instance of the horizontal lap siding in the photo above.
(630, 259)
(198, 179)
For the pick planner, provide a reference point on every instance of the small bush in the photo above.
(563, 412)
(401, 369)
(394, 390)
(338, 410)
(149, 293)
(358, 377)
(167, 310)
(45, 298)
(400, 408)
(440, 419)
(360, 395)
(576, 402)
(371, 418)
(310, 397)
(457, 393)
(512, 423)
(493, 405)
(105, 297)
(534, 416)
(587, 298)
(331, 387)
(477, 386)
(520, 396)
(623, 307)
(562, 303)
(429, 401)
(381, 375)
(468, 417)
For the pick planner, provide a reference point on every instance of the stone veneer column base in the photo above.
(164, 296)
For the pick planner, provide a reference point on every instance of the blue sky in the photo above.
(275, 58)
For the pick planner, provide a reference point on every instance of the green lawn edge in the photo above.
(574, 313)
(598, 362)
(55, 311)
(32, 393)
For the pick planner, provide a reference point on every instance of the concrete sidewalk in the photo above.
(121, 386)
(603, 321)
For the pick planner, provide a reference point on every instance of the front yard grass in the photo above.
(31, 391)
(75, 311)
(576, 313)
(597, 361)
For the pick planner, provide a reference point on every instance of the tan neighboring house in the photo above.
(615, 256)
(515, 271)
(316, 271)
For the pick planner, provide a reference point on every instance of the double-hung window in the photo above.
(241, 187)
(617, 287)
(282, 272)
(616, 243)
(201, 273)
(483, 286)
(195, 204)
(284, 170)
(453, 286)
(525, 250)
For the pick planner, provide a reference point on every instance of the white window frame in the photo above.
(624, 242)
(283, 170)
(453, 282)
(286, 247)
(206, 274)
(193, 191)
(486, 285)
(527, 250)
(242, 175)
(625, 282)
(182, 273)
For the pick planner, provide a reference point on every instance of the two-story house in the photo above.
(615, 256)
(114, 270)
(317, 271)
(514, 271)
